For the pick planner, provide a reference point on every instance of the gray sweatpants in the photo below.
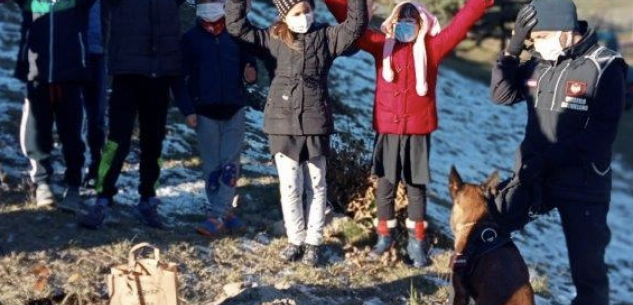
(304, 223)
(220, 144)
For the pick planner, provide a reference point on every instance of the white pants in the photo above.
(304, 222)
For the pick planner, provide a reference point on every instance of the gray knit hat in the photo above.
(284, 6)
(555, 15)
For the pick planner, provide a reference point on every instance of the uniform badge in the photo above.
(576, 88)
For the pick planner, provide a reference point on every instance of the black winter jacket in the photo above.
(574, 106)
(298, 99)
(53, 44)
(143, 37)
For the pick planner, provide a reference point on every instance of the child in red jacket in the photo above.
(408, 51)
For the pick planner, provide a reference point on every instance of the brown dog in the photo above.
(486, 266)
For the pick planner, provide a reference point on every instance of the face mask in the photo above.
(405, 31)
(210, 12)
(300, 24)
(550, 48)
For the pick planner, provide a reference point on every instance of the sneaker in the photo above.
(95, 218)
(291, 253)
(148, 213)
(233, 223)
(72, 201)
(44, 196)
(212, 227)
(311, 256)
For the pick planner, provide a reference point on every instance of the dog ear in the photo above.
(455, 182)
(492, 183)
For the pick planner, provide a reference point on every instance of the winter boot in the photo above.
(384, 229)
(417, 245)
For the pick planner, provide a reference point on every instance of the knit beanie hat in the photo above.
(555, 15)
(284, 6)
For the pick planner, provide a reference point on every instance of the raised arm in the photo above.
(507, 84)
(370, 41)
(238, 25)
(456, 31)
(343, 36)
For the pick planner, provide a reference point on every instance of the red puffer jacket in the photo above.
(398, 109)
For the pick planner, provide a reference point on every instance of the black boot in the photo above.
(417, 245)
(384, 230)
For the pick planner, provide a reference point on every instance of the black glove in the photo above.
(526, 20)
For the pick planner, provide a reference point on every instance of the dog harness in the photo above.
(485, 238)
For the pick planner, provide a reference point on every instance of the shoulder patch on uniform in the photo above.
(576, 88)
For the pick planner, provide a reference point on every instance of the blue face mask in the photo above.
(405, 31)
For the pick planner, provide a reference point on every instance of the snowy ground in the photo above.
(475, 135)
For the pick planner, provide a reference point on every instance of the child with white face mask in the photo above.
(212, 98)
(210, 11)
(297, 116)
(408, 51)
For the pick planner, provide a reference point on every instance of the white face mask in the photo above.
(301, 23)
(210, 12)
(550, 48)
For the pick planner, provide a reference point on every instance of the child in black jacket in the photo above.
(297, 116)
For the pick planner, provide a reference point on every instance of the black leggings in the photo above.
(386, 194)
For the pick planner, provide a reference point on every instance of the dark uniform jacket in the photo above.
(574, 105)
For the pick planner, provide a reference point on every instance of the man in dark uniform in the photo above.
(574, 91)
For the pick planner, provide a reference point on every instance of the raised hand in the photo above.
(526, 20)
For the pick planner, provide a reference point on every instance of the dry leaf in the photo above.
(41, 283)
(74, 278)
(41, 271)
(43, 274)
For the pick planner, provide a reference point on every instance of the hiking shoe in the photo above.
(72, 201)
(291, 253)
(311, 256)
(44, 196)
(384, 243)
(95, 218)
(212, 227)
(147, 210)
(233, 223)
